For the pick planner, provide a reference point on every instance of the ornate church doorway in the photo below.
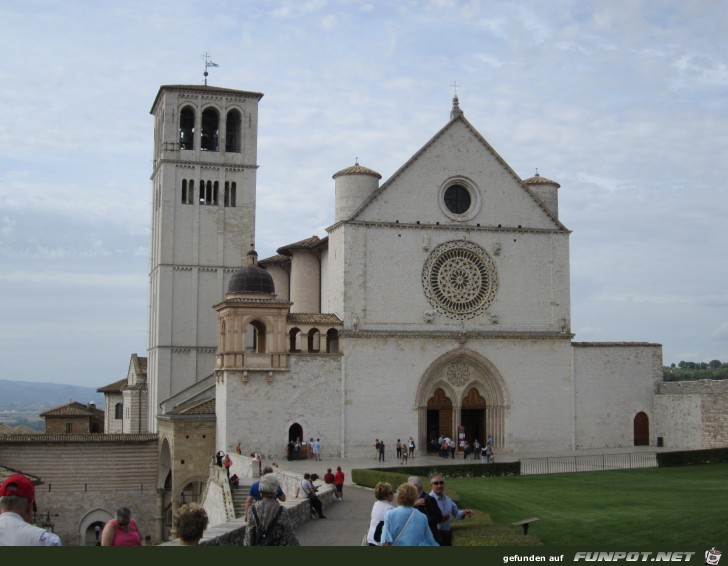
(464, 391)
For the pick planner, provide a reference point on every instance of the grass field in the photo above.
(659, 506)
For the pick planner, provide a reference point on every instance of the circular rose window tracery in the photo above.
(459, 279)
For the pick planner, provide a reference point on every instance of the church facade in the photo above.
(437, 303)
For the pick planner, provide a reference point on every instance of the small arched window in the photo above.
(294, 339)
(314, 340)
(255, 337)
(230, 193)
(332, 341)
(187, 128)
(209, 130)
(232, 131)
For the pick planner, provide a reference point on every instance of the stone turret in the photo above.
(546, 190)
(353, 185)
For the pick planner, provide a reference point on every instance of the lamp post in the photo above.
(48, 523)
(97, 532)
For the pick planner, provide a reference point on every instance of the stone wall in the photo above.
(693, 414)
(232, 533)
(614, 382)
(87, 477)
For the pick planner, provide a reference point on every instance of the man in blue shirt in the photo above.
(254, 493)
(448, 508)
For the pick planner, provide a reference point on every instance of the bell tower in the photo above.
(203, 224)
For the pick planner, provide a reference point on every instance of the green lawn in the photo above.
(660, 506)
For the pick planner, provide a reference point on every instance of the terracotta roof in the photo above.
(278, 258)
(204, 407)
(6, 429)
(73, 409)
(539, 180)
(357, 169)
(115, 387)
(308, 244)
(313, 318)
(6, 472)
(253, 301)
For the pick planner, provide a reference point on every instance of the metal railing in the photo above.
(588, 463)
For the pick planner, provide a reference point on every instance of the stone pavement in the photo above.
(348, 521)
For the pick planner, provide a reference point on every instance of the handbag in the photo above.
(378, 532)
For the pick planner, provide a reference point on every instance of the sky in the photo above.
(624, 104)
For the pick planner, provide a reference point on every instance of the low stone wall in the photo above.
(232, 533)
(693, 414)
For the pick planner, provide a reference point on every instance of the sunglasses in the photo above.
(438, 483)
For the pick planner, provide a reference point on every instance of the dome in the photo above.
(357, 169)
(251, 279)
(539, 180)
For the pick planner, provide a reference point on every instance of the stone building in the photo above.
(74, 417)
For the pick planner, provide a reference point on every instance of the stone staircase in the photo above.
(240, 494)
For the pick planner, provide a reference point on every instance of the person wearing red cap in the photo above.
(17, 504)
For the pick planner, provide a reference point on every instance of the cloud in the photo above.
(66, 279)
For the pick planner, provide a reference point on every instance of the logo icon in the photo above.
(712, 557)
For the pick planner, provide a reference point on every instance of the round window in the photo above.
(457, 199)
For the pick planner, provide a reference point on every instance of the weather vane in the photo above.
(208, 64)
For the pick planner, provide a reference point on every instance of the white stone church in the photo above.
(438, 302)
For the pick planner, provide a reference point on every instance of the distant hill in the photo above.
(23, 395)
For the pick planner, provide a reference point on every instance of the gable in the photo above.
(457, 155)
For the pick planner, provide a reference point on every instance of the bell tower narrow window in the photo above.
(210, 130)
(187, 128)
(232, 131)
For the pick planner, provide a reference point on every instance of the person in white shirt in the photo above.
(449, 509)
(17, 505)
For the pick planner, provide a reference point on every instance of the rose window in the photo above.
(459, 279)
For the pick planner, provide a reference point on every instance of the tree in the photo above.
(714, 364)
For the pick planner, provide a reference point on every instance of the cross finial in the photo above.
(356, 161)
(455, 86)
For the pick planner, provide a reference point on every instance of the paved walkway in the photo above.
(347, 522)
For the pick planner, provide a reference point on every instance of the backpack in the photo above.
(265, 538)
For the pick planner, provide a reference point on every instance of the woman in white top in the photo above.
(385, 494)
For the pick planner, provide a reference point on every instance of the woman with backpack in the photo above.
(267, 521)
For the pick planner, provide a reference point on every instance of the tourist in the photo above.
(404, 525)
(190, 522)
(17, 506)
(267, 521)
(448, 508)
(384, 495)
(122, 530)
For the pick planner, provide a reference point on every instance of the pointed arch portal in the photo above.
(462, 392)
